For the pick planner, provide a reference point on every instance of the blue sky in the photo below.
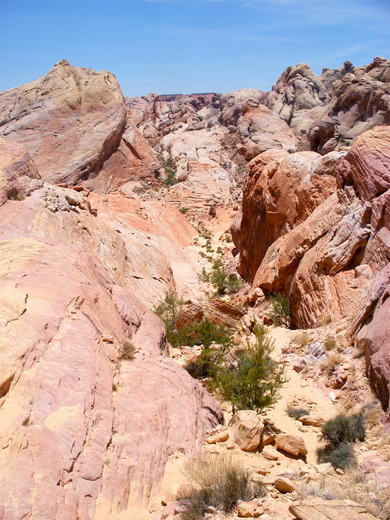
(184, 46)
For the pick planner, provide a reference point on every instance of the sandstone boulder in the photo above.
(247, 428)
(252, 509)
(291, 444)
(311, 420)
(217, 311)
(284, 485)
(72, 122)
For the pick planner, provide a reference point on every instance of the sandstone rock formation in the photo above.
(85, 431)
(323, 249)
(73, 123)
(217, 311)
(335, 107)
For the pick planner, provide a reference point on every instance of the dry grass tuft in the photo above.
(302, 339)
(128, 351)
(332, 361)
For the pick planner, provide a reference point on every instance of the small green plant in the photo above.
(203, 333)
(253, 381)
(280, 312)
(128, 351)
(339, 433)
(342, 456)
(296, 413)
(168, 310)
(330, 344)
(218, 482)
(184, 210)
(224, 283)
(171, 178)
(168, 167)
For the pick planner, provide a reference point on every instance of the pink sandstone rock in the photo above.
(72, 121)
(82, 432)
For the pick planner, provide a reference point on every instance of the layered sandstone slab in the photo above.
(319, 509)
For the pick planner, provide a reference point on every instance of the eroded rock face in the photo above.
(18, 172)
(199, 136)
(281, 192)
(72, 122)
(84, 430)
(335, 107)
(297, 91)
(327, 257)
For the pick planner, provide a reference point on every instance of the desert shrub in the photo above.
(204, 365)
(168, 167)
(203, 333)
(280, 312)
(341, 456)
(211, 358)
(184, 211)
(330, 344)
(224, 283)
(171, 178)
(296, 413)
(128, 351)
(339, 433)
(168, 309)
(219, 482)
(253, 381)
(342, 429)
(324, 320)
(302, 339)
(331, 362)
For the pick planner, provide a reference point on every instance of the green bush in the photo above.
(219, 482)
(203, 333)
(168, 310)
(343, 429)
(253, 381)
(296, 413)
(280, 312)
(342, 456)
(330, 344)
(339, 433)
(224, 283)
(168, 167)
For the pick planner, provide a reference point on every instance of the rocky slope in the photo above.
(335, 107)
(87, 425)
